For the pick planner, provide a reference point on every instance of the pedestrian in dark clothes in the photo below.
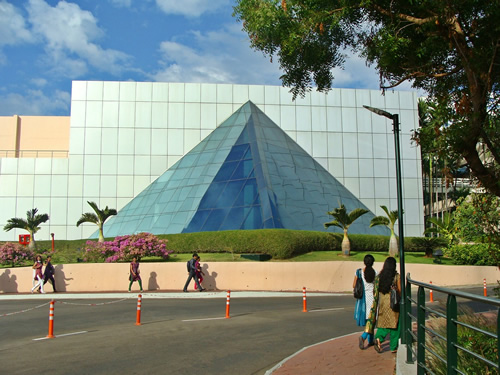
(191, 268)
(49, 273)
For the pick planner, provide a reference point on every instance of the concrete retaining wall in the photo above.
(268, 276)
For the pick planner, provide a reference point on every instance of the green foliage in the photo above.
(449, 49)
(31, 224)
(98, 218)
(471, 340)
(14, 254)
(125, 248)
(479, 254)
(429, 244)
(468, 222)
(342, 218)
(445, 227)
(279, 243)
(366, 242)
(477, 218)
(389, 220)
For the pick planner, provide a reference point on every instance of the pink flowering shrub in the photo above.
(14, 254)
(124, 248)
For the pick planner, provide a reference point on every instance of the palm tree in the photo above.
(388, 221)
(344, 220)
(31, 224)
(445, 227)
(98, 218)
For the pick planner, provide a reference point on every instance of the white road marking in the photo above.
(336, 308)
(64, 334)
(195, 320)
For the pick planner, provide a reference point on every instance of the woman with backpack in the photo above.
(382, 314)
(364, 304)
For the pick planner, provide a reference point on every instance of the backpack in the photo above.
(188, 265)
(358, 288)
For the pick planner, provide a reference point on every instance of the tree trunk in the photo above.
(393, 245)
(101, 235)
(32, 244)
(346, 245)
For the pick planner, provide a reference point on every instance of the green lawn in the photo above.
(316, 256)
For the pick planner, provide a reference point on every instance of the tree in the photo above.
(429, 244)
(31, 224)
(451, 49)
(344, 220)
(445, 227)
(98, 218)
(388, 221)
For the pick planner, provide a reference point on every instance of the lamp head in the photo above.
(379, 112)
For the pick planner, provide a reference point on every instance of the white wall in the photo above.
(126, 134)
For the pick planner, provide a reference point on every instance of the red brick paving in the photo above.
(340, 356)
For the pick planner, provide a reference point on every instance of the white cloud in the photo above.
(222, 56)
(40, 82)
(356, 74)
(34, 103)
(13, 28)
(190, 8)
(70, 34)
(121, 3)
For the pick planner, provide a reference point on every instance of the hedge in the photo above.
(279, 243)
(479, 254)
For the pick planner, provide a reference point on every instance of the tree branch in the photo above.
(421, 74)
(405, 17)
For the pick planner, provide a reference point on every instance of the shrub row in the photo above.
(279, 243)
(480, 254)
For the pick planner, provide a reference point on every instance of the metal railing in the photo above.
(416, 345)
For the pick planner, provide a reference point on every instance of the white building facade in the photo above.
(123, 135)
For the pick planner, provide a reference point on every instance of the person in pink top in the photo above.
(199, 273)
(135, 274)
(38, 274)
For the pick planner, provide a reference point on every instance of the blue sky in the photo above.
(45, 44)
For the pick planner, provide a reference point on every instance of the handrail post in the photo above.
(498, 338)
(451, 335)
(409, 338)
(420, 331)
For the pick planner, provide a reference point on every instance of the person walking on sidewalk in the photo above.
(199, 272)
(135, 274)
(364, 304)
(381, 315)
(191, 268)
(49, 273)
(38, 274)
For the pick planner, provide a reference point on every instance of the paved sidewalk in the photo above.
(338, 356)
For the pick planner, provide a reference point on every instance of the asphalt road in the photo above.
(177, 336)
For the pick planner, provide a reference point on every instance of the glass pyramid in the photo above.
(247, 174)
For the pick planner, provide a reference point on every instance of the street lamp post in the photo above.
(395, 129)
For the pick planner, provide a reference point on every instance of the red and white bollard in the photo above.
(304, 300)
(485, 291)
(139, 304)
(51, 320)
(431, 297)
(228, 300)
